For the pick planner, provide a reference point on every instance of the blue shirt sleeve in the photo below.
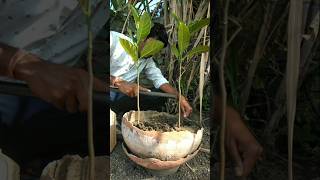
(154, 74)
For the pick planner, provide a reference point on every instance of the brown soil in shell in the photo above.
(163, 122)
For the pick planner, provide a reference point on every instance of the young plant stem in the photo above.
(138, 94)
(179, 84)
(223, 90)
(90, 113)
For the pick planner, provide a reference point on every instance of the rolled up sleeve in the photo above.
(154, 74)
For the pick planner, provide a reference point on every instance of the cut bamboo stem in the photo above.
(293, 61)
(223, 90)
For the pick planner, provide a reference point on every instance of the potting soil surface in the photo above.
(163, 122)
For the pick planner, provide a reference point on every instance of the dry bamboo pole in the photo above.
(257, 55)
(173, 8)
(203, 63)
(184, 10)
(165, 14)
(127, 19)
(199, 14)
(198, 39)
(223, 89)
(90, 89)
(293, 61)
(201, 10)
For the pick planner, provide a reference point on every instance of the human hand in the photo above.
(66, 88)
(130, 89)
(241, 144)
(185, 107)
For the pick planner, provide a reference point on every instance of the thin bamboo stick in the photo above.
(293, 61)
(127, 19)
(223, 89)
(204, 59)
(90, 89)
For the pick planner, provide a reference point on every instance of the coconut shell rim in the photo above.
(153, 132)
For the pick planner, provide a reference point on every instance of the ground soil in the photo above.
(164, 122)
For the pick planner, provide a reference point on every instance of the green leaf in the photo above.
(134, 13)
(197, 50)
(151, 47)
(143, 27)
(197, 25)
(175, 51)
(183, 37)
(176, 18)
(130, 48)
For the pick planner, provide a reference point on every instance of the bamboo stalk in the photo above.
(293, 61)
(165, 14)
(257, 56)
(223, 89)
(127, 19)
(203, 62)
(90, 89)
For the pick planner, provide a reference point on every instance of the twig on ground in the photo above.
(190, 168)
(205, 150)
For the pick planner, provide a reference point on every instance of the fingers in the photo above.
(57, 100)
(188, 110)
(144, 89)
(71, 104)
(183, 111)
(235, 155)
(185, 107)
(250, 157)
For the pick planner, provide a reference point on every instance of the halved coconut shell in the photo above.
(165, 146)
(156, 164)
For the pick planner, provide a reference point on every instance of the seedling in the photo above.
(86, 9)
(182, 52)
(139, 47)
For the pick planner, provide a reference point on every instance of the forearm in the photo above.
(169, 89)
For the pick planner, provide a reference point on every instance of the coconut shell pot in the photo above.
(156, 166)
(164, 146)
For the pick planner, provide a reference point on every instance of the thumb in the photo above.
(144, 89)
(236, 158)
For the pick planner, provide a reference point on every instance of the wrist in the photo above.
(116, 81)
(24, 68)
(182, 97)
(119, 83)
